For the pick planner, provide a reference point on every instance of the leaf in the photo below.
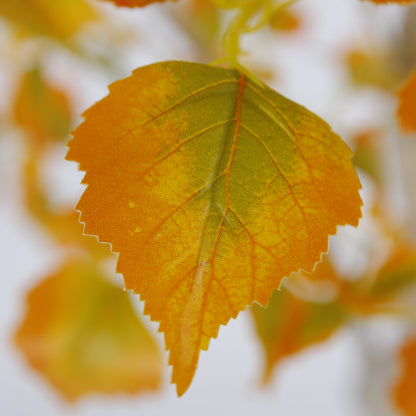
(41, 109)
(367, 154)
(404, 389)
(58, 19)
(212, 188)
(134, 3)
(285, 20)
(376, 66)
(382, 291)
(82, 334)
(391, 1)
(299, 316)
(397, 275)
(289, 325)
(407, 105)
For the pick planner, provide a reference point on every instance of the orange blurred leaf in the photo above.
(58, 19)
(407, 105)
(405, 387)
(391, 1)
(34, 196)
(288, 325)
(285, 20)
(396, 275)
(82, 334)
(382, 291)
(374, 67)
(212, 188)
(41, 109)
(368, 154)
(310, 307)
(135, 3)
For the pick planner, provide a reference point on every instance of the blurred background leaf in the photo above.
(58, 19)
(82, 334)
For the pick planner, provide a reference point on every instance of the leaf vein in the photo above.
(178, 103)
(293, 135)
(181, 207)
(182, 143)
(241, 84)
(289, 185)
(256, 243)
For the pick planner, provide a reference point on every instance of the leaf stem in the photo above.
(240, 24)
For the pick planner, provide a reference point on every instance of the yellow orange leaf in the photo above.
(404, 390)
(407, 105)
(135, 3)
(372, 67)
(211, 188)
(391, 1)
(381, 291)
(82, 334)
(59, 18)
(285, 20)
(296, 319)
(367, 153)
(41, 109)
(34, 195)
(288, 325)
(396, 275)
